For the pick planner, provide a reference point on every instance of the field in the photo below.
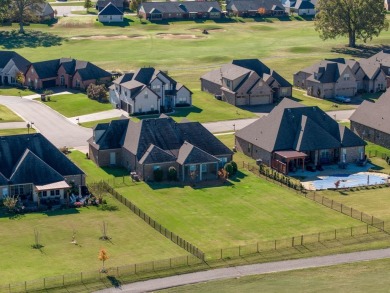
(132, 242)
(370, 276)
(72, 105)
(6, 115)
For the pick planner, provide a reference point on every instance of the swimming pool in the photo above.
(349, 180)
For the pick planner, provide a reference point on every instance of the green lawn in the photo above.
(369, 276)
(13, 131)
(132, 242)
(71, 105)
(375, 153)
(92, 124)
(6, 115)
(12, 91)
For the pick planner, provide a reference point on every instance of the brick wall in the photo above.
(371, 134)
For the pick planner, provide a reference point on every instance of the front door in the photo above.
(112, 158)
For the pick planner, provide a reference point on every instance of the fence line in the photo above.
(153, 223)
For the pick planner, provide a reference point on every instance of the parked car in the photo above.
(343, 99)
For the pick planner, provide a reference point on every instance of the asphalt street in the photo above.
(255, 269)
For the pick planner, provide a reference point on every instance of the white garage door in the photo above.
(260, 100)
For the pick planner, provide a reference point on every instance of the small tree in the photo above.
(97, 92)
(158, 175)
(229, 169)
(172, 173)
(235, 168)
(337, 184)
(103, 256)
(88, 4)
(10, 202)
(134, 4)
(19, 77)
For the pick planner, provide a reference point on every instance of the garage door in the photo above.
(349, 92)
(241, 101)
(49, 83)
(260, 100)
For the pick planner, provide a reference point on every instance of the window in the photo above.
(249, 148)
(152, 108)
(228, 83)
(192, 168)
(140, 109)
(44, 193)
(52, 192)
(145, 94)
(62, 80)
(222, 161)
(156, 168)
(32, 70)
(346, 77)
(284, 91)
(125, 92)
(77, 83)
(166, 86)
(204, 168)
(57, 192)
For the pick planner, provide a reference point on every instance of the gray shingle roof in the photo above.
(20, 62)
(111, 9)
(103, 3)
(304, 4)
(180, 7)
(18, 151)
(155, 155)
(374, 115)
(113, 136)
(190, 154)
(292, 126)
(253, 5)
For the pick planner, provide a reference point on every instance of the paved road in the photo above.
(57, 128)
(256, 269)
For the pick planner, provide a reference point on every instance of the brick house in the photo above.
(32, 167)
(253, 8)
(66, 72)
(159, 143)
(371, 121)
(10, 64)
(293, 136)
(246, 82)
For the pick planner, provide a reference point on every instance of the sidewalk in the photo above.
(109, 114)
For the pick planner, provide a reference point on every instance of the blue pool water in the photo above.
(347, 180)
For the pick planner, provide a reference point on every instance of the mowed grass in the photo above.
(14, 131)
(71, 105)
(6, 115)
(12, 91)
(132, 241)
(368, 276)
(375, 153)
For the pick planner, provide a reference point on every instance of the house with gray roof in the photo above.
(293, 136)
(371, 121)
(180, 10)
(11, 63)
(101, 4)
(246, 82)
(33, 169)
(253, 8)
(382, 59)
(148, 90)
(341, 77)
(65, 72)
(159, 143)
(305, 8)
(110, 13)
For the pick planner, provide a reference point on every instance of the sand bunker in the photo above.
(178, 36)
(108, 37)
(209, 30)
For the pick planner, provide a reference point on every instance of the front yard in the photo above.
(6, 115)
(13, 91)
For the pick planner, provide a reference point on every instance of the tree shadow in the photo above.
(125, 23)
(116, 171)
(361, 51)
(114, 281)
(31, 39)
(184, 112)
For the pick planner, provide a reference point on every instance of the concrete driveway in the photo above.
(55, 127)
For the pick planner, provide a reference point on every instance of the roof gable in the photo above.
(155, 155)
(190, 154)
(111, 9)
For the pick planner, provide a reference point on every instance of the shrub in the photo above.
(228, 168)
(234, 165)
(97, 92)
(172, 174)
(158, 175)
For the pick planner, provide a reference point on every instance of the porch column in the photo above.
(303, 164)
(287, 166)
(316, 157)
(80, 189)
(216, 170)
(200, 172)
(183, 172)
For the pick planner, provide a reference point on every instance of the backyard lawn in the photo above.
(72, 105)
(6, 115)
(132, 241)
(12, 91)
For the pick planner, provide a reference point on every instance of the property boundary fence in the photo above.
(153, 223)
(375, 153)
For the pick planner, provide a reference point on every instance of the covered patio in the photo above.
(286, 161)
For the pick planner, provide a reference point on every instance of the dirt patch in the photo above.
(108, 37)
(178, 36)
(209, 30)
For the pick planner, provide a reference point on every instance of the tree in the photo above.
(4, 9)
(19, 77)
(134, 4)
(103, 256)
(10, 202)
(88, 4)
(97, 92)
(24, 9)
(356, 19)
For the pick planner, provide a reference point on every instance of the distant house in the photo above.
(382, 59)
(371, 121)
(341, 77)
(110, 13)
(304, 8)
(101, 4)
(148, 90)
(44, 11)
(65, 72)
(32, 167)
(293, 136)
(10, 64)
(387, 5)
(159, 143)
(180, 10)
(246, 82)
(252, 8)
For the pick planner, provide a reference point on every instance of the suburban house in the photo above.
(305, 8)
(110, 13)
(101, 4)
(341, 77)
(44, 11)
(148, 90)
(387, 5)
(246, 82)
(33, 169)
(294, 136)
(10, 64)
(180, 10)
(371, 121)
(159, 143)
(65, 72)
(253, 8)
(382, 59)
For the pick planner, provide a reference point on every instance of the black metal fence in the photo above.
(152, 223)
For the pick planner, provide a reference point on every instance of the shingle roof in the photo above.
(18, 151)
(292, 126)
(111, 9)
(155, 155)
(103, 3)
(180, 7)
(190, 154)
(383, 57)
(374, 115)
(46, 69)
(252, 5)
(304, 4)
(113, 136)
(20, 62)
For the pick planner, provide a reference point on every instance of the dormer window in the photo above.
(346, 77)
(32, 70)
(145, 94)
